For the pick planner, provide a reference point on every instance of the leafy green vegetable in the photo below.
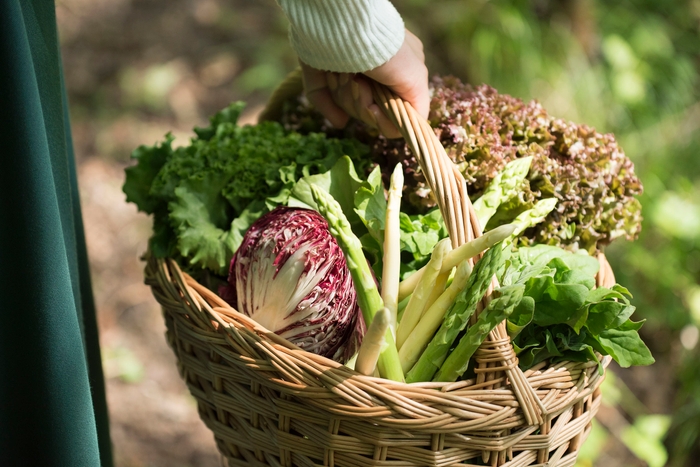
(624, 345)
(482, 131)
(586, 171)
(419, 235)
(204, 196)
(505, 186)
(139, 178)
(569, 317)
(522, 316)
(557, 302)
(370, 205)
(341, 182)
(198, 237)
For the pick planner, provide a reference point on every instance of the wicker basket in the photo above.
(271, 404)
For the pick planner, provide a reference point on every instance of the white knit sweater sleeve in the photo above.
(348, 36)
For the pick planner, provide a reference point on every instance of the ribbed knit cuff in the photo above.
(345, 36)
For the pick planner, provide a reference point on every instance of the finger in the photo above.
(322, 100)
(362, 99)
(332, 81)
(316, 88)
(343, 78)
(357, 99)
(342, 97)
(386, 127)
(369, 111)
(349, 97)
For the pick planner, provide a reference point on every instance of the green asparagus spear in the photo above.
(533, 216)
(368, 297)
(498, 310)
(504, 186)
(457, 317)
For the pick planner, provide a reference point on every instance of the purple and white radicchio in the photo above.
(290, 276)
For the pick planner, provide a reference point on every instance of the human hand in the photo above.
(339, 96)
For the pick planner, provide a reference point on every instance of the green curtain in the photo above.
(52, 403)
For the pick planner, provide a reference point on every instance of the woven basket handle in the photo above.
(446, 182)
(449, 188)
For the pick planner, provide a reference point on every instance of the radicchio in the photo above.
(290, 276)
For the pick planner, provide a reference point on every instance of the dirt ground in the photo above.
(136, 69)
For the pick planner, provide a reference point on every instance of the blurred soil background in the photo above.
(137, 69)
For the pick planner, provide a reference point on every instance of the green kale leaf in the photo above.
(204, 196)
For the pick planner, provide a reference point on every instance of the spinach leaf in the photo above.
(625, 346)
(570, 319)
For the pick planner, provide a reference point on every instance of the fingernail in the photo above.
(332, 81)
(355, 88)
(344, 78)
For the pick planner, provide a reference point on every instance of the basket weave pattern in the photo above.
(271, 404)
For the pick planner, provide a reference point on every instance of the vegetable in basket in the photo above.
(562, 316)
(499, 308)
(552, 310)
(373, 343)
(431, 320)
(526, 180)
(457, 316)
(290, 276)
(367, 294)
(204, 196)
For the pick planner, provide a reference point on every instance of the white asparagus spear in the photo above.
(423, 332)
(392, 246)
(416, 304)
(373, 342)
(459, 254)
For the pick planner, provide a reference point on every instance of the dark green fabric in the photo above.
(52, 403)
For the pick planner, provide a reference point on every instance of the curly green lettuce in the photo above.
(204, 196)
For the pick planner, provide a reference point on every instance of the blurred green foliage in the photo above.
(630, 67)
(121, 362)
